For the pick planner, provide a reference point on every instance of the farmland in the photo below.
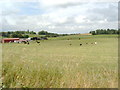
(56, 64)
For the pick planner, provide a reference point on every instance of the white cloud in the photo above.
(80, 19)
(51, 3)
(61, 16)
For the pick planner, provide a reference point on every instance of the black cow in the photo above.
(80, 44)
(24, 42)
(38, 42)
(35, 38)
(28, 43)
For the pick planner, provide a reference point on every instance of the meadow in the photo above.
(56, 64)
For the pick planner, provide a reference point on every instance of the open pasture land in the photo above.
(57, 64)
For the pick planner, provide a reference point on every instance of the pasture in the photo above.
(56, 64)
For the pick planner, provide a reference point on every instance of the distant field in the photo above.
(56, 64)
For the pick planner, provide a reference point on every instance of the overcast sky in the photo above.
(58, 16)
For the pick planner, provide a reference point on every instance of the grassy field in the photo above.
(56, 64)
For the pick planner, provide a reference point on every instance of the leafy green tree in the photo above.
(32, 32)
(118, 31)
(26, 36)
(5, 34)
(93, 32)
(14, 35)
(43, 32)
(20, 36)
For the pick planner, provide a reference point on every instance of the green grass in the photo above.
(1, 37)
(56, 64)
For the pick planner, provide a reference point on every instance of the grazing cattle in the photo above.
(79, 38)
(80, 44)
(28, 43)
(70, 44)
(35, 38)
(38, 42)
(24, 42)
(95, 43)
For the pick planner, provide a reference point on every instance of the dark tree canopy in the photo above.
(104, 31)
(48, 34)
(17, 34)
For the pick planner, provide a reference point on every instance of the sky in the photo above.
(58, 16)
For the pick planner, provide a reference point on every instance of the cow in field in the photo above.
(28, 43)
(95, 43)
(38, 42)
(24, 42)
(80, 44)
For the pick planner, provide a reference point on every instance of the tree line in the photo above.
(25, 34)
(17, 34)
(105, 31)
(48, 34)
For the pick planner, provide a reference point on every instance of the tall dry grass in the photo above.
(55, 64)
